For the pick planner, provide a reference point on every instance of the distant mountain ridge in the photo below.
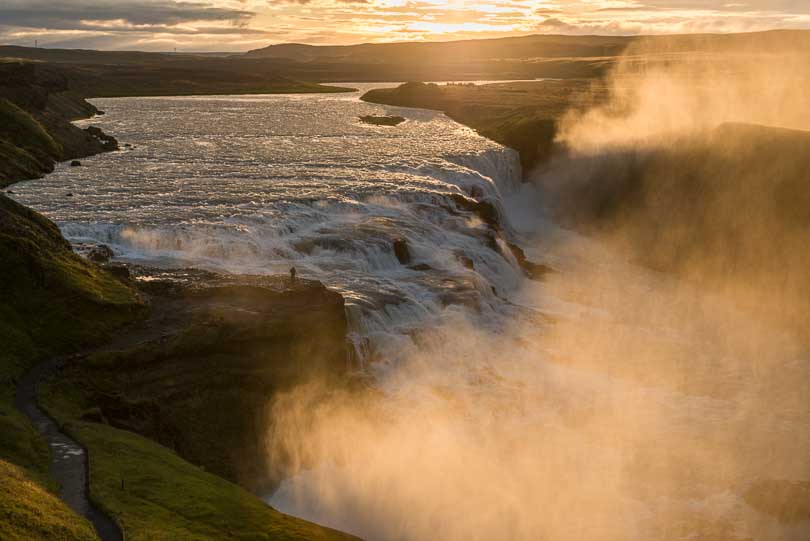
(522, 47)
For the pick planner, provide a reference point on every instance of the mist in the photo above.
(653, 387)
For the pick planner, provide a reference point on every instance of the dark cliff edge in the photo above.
(203, 385)
(37, 106)
(728, 208)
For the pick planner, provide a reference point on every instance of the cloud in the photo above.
(241, 24)
(77, 14)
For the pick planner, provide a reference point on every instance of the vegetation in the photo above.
(28, 511)
(51, 302)
(154, 494)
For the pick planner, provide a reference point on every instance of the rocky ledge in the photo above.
(198, 376)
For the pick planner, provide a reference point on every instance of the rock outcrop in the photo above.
(36, 110)
(219, 348)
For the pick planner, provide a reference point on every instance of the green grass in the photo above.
(165, 497)
(26, 148)
(20, 128)
(28, 511)
(51, 302)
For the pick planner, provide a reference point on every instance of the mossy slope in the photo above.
(28, 511)
(51, 302)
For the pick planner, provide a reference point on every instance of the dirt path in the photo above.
(69, 465)
(69, 460)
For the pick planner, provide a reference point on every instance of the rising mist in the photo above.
(656, 388)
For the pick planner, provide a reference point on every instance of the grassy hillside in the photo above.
(166, 498)
(28, 511)
(51, 302)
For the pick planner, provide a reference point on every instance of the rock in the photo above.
(108, 142)
(120, 271)
(382, 120)
(421, 267)
(534, 271)
(401, 251)
(69, 194)
(75, 163)
(238, 341)
(100, 254)
(466, 261)
(485, 210)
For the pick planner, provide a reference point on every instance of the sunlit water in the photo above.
(512, 409)
(257, 184)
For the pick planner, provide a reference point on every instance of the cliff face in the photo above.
(729, 208)
(203, 385)
(36, 110)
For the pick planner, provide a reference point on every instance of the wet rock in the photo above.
(421, 267)
(75, 163)
(69, 194)
(108, 142)
(485, 210)
(534, 271)
(402, 251)
(466, 261)
(100, 254)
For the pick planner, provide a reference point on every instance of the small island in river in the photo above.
(381, 120)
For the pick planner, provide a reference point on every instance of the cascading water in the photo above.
(257, 184)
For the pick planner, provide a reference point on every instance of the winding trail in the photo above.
(69, 462)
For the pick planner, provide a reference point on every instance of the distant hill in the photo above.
(525, 47)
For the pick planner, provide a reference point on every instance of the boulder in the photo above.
(75, 163)
(100, 254)
(534, 271)
(108, 142)
(119, 270)
(402, 251)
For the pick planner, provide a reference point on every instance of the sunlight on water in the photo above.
(255, 184)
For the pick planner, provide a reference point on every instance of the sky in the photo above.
(240, 25)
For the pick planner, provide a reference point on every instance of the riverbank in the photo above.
(523, 115)
(37, 108)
